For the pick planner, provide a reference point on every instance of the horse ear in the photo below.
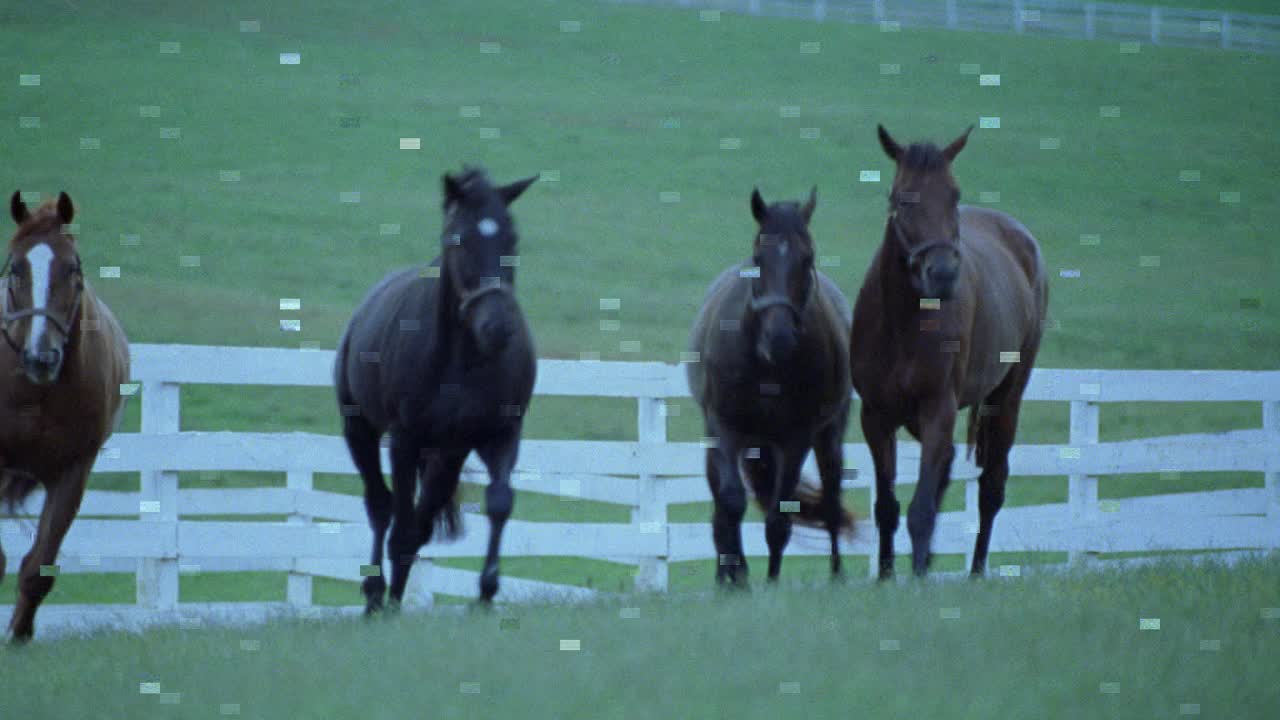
(806, 211)
(956, 146)
(17, 208)
(66, 210)
(758, 208)
(891, 147)
(510, 192)
(452, 190)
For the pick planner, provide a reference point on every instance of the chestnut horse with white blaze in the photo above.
(62, 362)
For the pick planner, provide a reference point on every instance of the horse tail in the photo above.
(441, 517)
(447, 520)
(974, 436)
(813, 512)
(15, 486)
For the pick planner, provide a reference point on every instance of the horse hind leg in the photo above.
(362, 441)
(995, 438)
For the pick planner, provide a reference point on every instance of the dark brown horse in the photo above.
(62, 362)
(773, 382)
(950, 316)
(440, 357)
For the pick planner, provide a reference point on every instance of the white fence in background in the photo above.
(326, 534)
(1049, 18)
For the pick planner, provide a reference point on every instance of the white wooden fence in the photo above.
(1055, 18)
(326, 534)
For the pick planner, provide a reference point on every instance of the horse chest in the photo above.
(35, 432)
(467, 405)
(768, 401)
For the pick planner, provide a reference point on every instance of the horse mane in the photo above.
(923, 156)
(472, 181)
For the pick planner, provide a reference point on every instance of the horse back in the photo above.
(1009, 296)
(371, 343)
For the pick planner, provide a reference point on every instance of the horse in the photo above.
(441, 358)
(950, 316)
(772, 381)
(61, 366)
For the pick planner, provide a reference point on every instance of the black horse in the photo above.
(772, 380)
(440, 357)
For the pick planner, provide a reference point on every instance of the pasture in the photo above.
(1079, 645)
(220, 181)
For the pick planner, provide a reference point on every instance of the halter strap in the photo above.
(764, 302)
(8, 318)
(913, 253)
(491, 285)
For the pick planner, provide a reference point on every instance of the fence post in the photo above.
(298, 592)
(1226, 30)
(970, 511)
(1017, 16)
(157, 578)
(651, 505)
(1271, 436)
(1082, 490)
(1088, 21)
(819, 10)
(1155, 25)
(953, 17)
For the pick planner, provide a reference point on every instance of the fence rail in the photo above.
(1053, 18)
(325, 534)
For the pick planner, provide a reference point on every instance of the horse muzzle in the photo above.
(42, 368)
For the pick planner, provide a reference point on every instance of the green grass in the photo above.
(633, 105)
(1066, 646)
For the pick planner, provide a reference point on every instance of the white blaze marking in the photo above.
(41, 259)
(487, 227)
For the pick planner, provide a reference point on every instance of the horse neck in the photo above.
(899, 302)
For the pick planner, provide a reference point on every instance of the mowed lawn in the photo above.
(220, 180)
(1170, 640)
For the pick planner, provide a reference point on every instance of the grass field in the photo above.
(1163, 641)
(213, 149)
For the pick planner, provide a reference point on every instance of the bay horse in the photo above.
(62, 362)
(772, 380)
(950, 316)
(440, 357)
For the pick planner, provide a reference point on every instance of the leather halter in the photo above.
(760, 303)
(915, 253)
(487, 285)
(8, 318)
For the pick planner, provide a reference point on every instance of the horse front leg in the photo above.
(62, 502)
(879, 431)
(499, 457)
(936, 421)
